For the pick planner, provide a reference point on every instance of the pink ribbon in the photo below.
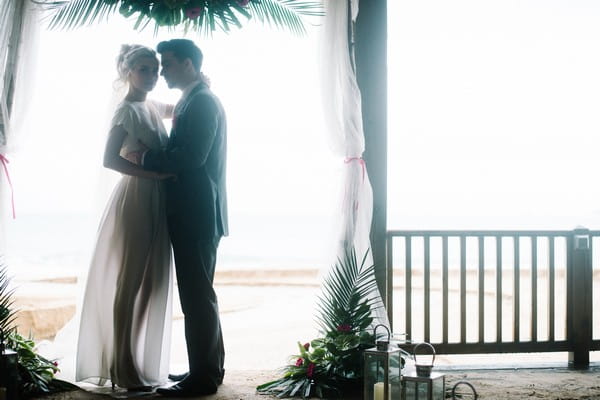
(362, 163)
(4, 162)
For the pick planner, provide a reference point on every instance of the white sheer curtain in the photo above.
(343, 118)
(19, 28)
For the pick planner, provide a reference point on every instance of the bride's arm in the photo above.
(114, 161)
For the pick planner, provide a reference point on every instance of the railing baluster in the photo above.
(498, 289)
(445, 289)
(551, 298)
(408, 292)
(481, 245)
(463, 289)
(534, 293)
(516, 290)
(426, 289)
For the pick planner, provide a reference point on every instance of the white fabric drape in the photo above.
(19, 30)
(343, 118)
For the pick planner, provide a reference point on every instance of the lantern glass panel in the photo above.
(438, 388)
(423, 388)
(382, 367)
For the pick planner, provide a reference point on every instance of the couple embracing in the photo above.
(172, 194)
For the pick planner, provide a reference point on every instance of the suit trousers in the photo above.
(195, 260)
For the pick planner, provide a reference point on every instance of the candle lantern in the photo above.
(9, 375)
(382, 376)
(422, 383)
(460, 395)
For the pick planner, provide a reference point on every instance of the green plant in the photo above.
(332, 365)
(7, 313)
(198, 15)
(36, 373)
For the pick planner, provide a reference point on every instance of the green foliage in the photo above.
(7, 314)
(204, 16)
(332, 365)
(36, 373)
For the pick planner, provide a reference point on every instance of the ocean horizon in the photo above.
(64, 242)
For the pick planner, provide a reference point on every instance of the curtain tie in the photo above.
(4, 162)
(362, 163)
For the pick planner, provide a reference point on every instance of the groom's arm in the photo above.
(194, 139)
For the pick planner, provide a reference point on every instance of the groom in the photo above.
(196, 210)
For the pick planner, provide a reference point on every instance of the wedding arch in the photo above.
(354, 76)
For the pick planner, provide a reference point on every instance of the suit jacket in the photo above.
(196, 153)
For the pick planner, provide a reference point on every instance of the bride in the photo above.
(124, 336)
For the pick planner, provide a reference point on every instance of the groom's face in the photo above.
(173, 69)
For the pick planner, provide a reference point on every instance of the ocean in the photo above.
(62, 244)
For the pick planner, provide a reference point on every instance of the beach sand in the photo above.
(264, 314)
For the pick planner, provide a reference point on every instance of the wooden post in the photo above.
(370, 37)
(579, 300)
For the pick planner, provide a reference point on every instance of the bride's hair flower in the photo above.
(193, 12)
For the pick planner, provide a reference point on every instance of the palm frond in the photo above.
(223, 15)
(7, 313)
(285, 13)
(78, 13)
(345, 298)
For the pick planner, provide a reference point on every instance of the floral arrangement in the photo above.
(198, 15)
(332, 366)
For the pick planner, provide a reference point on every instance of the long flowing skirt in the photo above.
(124, 336)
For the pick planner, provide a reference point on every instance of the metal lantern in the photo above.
(422, 383)
(9, 375)
(473, 391)
(382, 377)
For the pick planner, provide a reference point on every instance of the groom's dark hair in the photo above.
(182, 49)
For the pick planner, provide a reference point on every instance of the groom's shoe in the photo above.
(178, 377)
(179, 390)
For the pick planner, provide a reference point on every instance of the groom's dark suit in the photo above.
(197, 217)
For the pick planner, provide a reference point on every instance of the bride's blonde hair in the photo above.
(128, 57)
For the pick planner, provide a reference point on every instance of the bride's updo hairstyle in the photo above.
(129, 56)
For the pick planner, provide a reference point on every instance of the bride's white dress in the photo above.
(125, 329)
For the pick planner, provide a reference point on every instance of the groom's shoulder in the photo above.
(204, 96)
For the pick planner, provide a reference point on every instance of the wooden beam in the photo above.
(370, 36)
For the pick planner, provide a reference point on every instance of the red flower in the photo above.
(306, 346)
(243, 3)
(55, 363)
(193, 13)
(299, 362)
(344, 328)
(310, 371)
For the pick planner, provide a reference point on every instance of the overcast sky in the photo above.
(493, 116)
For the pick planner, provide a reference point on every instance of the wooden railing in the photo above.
(496, 291)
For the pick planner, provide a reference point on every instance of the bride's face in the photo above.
(144, 74)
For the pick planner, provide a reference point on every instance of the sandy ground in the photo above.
(547, 383)
(264, 314)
